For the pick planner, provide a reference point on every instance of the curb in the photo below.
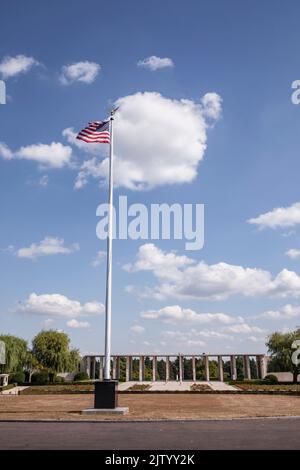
(116, 421)
(175, 392)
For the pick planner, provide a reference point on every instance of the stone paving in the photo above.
(173, 386)
(13, 391)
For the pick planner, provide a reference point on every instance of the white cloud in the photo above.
(77, 324)
(57, 305)
(12, 66)
(293, 253)
(54, 155)
(89, 168)
(195, 337)
(48, 246)
(43, 181)
(5, 151)
(183, 278)
(243, 328)
(99, 258)
(279, 217)
(177, 314)
(285, 312)
(137, 329)
(143, 161)
(256, 339)
(154, 63)
(183, 335)
(85, 72)
(164, 265)
(212, 106)
(189, 338)
(197, 342)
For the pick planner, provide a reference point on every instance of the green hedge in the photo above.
(17, 377)
(271, 379)
(81, 376)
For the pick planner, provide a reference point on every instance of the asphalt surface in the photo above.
(272, 434)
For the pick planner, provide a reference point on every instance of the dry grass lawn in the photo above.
(150, 407)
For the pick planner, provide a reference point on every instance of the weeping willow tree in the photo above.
(15, 354)
(281, 347)
(52, 350)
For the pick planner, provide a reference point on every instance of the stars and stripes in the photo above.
(95, 132)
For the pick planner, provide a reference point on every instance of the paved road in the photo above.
(238, 434)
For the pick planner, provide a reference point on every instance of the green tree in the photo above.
(148, 368)
(161, 369)
(15, 349)
(74, 360)
(239, 368)
(280, 347)
(253, 368)
(213, 370)
(52, 350)
(31, 364)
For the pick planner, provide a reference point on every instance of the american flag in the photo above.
(95, 132)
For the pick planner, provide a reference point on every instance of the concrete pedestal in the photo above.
(120, 410)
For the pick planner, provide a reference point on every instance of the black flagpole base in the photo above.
(106, 394)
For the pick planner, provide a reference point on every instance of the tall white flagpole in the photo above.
(107, 375)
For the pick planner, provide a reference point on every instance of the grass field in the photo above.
(150, 407)
(264, 387)
(58, 389)
(88, 388)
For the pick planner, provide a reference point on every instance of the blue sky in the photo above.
(245, 55)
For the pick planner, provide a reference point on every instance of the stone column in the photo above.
(206, 368)
(258, 367)
(154, 368)
(128, 368)
(167, 368)
(180, 358)
(88, 366)
(247, 370)
(233, 367)
(141, 368)
(100, 368)
(220, 369)
(93, 368)
(261, 367)
(264, 366)
(194, 368)
(114, 368)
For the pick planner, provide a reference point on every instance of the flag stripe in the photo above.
(95, 132)
(88, 131)
(102, 141)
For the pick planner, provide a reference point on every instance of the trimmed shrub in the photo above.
(17, 377)
(59, 379)
(271, 379)
(40, 378)
(81, 376)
